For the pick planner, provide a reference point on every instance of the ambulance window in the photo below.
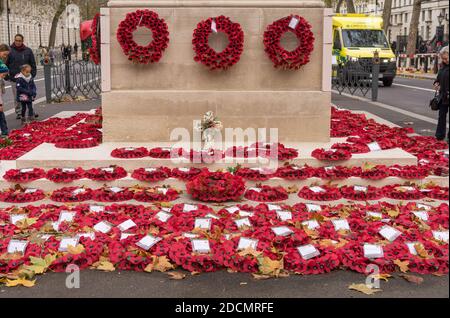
(337, 41)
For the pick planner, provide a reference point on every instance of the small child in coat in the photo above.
(3, 125)
(26, 92)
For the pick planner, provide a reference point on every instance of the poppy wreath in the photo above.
(370, 193)
(267, 194)
(209, 156)
(372, 173)
(280, 57)
(138, 54)
(155, 195)
(187, 175)
(106, 194)
(323, 263)
(76, 143)
(94, 121)
(409, 172)
(129, 153)
(165, 153)
(152, 174)
(94, 50)
(436, 192)
(331, 155)
(60, 175)
(399, 192)
(352, 147)
(282, 155)
(295, 173)
(206, 55)
(11, 264)
(71, 194)
(328, 194)
(432, 259)
(254, 174)
(22, 176)
(20, 195)
(296, 238)
(241, 152)
(182, 254)
(216, 187)
(333, 173)
(105, 174)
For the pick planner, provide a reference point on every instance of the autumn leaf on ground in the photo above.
(292, 189)
(393, 213)
(403, 266)
(270, 267)
(106, 266)
(250, 251)
(412, 278)
(75, 250)
(25, 223)
(381, 276)
(421, 251)
(260, 277)
(363, 288)
(162, 264)
(367, 166)
(20, 281)
(40, 265)
(166, 204)
(176, 275)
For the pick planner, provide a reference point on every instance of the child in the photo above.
(26, 92)
(3, 125)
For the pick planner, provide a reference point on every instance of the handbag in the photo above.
(435, 102)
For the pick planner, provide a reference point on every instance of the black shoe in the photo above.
(36, 115)
(19, 117)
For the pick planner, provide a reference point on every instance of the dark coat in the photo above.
(443, 80)
(25, 88)
(17, 58)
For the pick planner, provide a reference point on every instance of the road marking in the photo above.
(414, 87)
(392, 108)
(35, 103)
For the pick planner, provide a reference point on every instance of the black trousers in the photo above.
(29, 106)
(442, 122)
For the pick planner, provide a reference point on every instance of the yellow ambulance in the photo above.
(355, 39)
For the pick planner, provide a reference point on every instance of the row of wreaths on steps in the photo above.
(204, 54)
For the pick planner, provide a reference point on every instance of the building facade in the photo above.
(33, 19)
(401, 17)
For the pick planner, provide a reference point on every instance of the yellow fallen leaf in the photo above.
(20, 281)
(363, 288)
(381, 276)
(394, 213)
(176, 275)
(75, 250)
(292, 189)
(421, 251)
(250, 251)
(368, 166)
(260, 277)
(412, 278)
(403, 266)
(162, 264)
(270, 267)
(149, 268)
(106, 266)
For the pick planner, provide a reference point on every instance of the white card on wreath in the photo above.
(124, 236)
(189, 208)
(150, 169)
(232, 209)
(103, 227)
(78, 191)
(212, 216)
(406, 188)
(200, 246)
(360, 188)
(29, 191)
(255, 189)
(96, 208)
(184, 169)
(14, 218)
(202, 223)
(374, 146)
(313, 207)
(66, 242)
(423, 206)
(90, 235)
(284, 215)
(246, 214)
(311, 224)
(190, 235)
(26, 170)
(243, 222)
(423, 215)
(68, 170)
(317, 189)
(329, 169)
(214, 26)
(411, 247)
(308, 251)
(282, 231)
(163, 190)
(45, 237)
(273, 207)
(125, 225)
(148, 241)
(163, 216)
(373, 251)
(441, 236)
(389, 233)
(66, 216)
(293, 23)
(17, 246)
(130, 148)
(109, 169)
(376, 215)
(245, 243)
(115, 189)
(341, 224)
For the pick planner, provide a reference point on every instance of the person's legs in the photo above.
(17, 106)
(442, 122)
(24, 111)
(30, 110)
(3, 124)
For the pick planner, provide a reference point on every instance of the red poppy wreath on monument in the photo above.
(94, 51)
(138, 54)
(216, 187)
(281, 57)
(206, 55)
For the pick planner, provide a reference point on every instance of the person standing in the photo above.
(3, 73)
(26, 92)
(19, 55)
(75, 48)
(442, 84)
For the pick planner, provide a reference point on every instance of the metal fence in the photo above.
(68, 78)
(357, 77)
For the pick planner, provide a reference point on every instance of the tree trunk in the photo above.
(339, 5)
(61, 7)
(2, 6)
(387, 14)
(350, 6)
(414, 28)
